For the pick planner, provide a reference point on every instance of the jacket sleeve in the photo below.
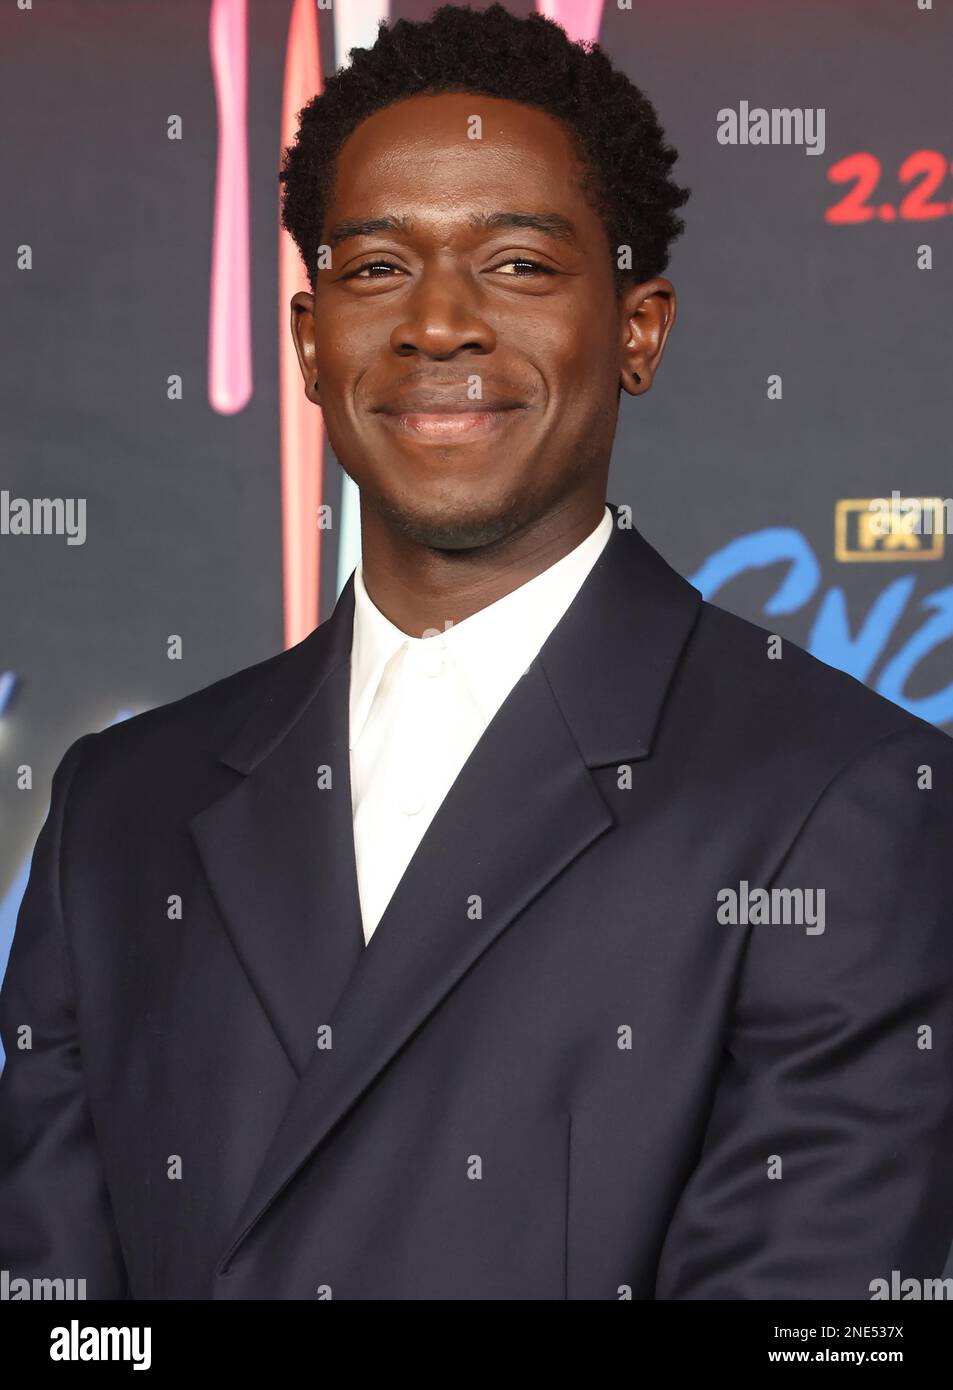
(826, 1164)
(55, 1215)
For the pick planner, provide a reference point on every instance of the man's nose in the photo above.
(443, 315)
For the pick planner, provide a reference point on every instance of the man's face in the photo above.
(467, 369)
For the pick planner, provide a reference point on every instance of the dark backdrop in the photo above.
(738, 491)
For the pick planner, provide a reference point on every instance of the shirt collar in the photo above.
(492, 648)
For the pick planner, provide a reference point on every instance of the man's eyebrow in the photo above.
(552, 224)
(549, 223)
(369, 226)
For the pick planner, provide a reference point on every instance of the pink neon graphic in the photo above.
(302, 424)
(580, 18)
(229, 347)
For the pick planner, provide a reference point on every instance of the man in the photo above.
(532, 929)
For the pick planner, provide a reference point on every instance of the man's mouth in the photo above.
(448, 423)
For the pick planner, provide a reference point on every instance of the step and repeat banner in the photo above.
(161, 468)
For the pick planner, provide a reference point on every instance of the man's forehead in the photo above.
(416, 159)
(442, 124)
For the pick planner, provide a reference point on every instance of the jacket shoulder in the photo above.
(780, 697)
(200, 723)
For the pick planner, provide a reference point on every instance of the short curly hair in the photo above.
(625, 161)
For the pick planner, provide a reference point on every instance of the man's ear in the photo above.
(646, 315)
(302, 331)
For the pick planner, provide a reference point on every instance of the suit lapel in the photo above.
(278, 849)
(523, 807)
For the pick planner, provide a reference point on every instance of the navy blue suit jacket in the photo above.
(553, 1072)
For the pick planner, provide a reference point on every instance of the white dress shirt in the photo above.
(418, 706)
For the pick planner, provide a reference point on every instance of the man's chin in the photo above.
(451, 524)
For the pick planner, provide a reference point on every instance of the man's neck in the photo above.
(420, 589)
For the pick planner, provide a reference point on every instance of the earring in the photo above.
(637, 377)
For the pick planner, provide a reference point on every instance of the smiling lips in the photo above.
(439, 419)
(444, 425)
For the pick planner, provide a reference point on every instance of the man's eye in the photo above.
(535, 266)
(531, 267)
(370, 265)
